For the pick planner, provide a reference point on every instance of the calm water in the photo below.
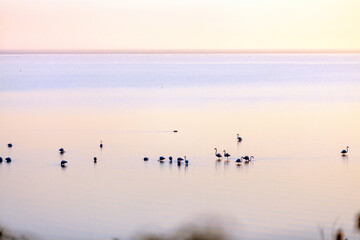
(295, 113)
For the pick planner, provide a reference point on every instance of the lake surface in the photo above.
(295, 113)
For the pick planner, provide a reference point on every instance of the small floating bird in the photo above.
(239, 138)
(344, 152)
(217, 154)
(161, 158)
(10, 145)
(62, 163)
(101, 144)
(1, 159)
(8, 159)
(61, 150)
(175, 131)
(146, 158)
(227, 155)
(95, 159)
(247, 158)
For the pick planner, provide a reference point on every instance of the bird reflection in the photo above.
(345, 159)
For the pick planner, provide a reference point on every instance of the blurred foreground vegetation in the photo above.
(186, 232)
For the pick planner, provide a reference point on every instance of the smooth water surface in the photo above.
(295, 113)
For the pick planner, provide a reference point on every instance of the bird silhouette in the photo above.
(344, 152)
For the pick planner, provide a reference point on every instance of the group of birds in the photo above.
(246, 159)
(63, 162)
(8, 159)
(179, 160)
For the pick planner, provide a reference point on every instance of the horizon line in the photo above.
(177, 51)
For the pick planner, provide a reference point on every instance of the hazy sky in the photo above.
(174, 24)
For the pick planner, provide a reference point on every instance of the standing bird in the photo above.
(9, 145)
(161, 158)
(238, 161)
(95, 159)
(186, 161)
(217, 154)
(344, 152)
(146, 158)
(8, 159)
(62, 163)
(101, 144)
(179, 160)
(61, 150)
(1, 159)
(247, 158)
(239, 138)
(170, 158)
(227, 155)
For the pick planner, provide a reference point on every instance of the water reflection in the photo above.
(294, 131)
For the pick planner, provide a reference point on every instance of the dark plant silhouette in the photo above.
(339, 235)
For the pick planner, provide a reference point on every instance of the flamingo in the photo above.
(344, 152)
(62, 163)
(8, 159)
(61, 150)
(101, 144)
(227, 155)
(247, 158)
(161, 158)
(1, 159)
(239, 138)
(217, 154)
(186, 161)
(170, 158)
(9, 145)
(238, 160)
(146, 158)
(95, 159)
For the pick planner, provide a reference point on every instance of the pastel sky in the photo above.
(174, 24)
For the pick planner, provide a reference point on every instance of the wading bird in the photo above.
(239, 138)
(101, 144)
(344, 152)
(227, 155)
(247, 158)
(146, 158)
(9, 145)
(61, 150)
(217, 154)
(62, 163)
(95, 159)
(8, 159)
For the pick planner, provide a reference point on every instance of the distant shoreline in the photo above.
(184, 51)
